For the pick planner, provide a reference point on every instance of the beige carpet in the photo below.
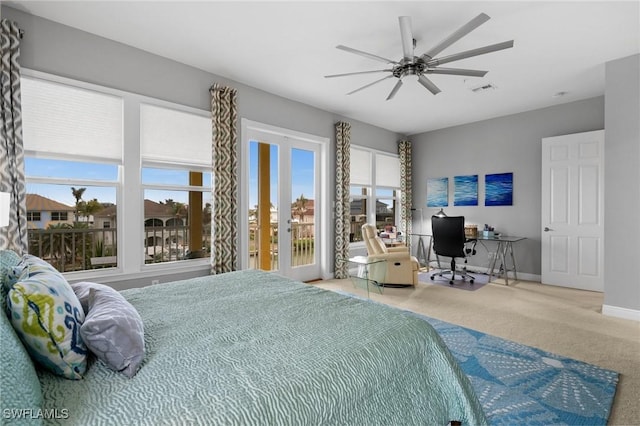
(563, 321)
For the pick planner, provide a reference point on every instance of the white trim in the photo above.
(619, 312)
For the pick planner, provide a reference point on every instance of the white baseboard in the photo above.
(618, 312)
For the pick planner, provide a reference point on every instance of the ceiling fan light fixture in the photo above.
(426, 63)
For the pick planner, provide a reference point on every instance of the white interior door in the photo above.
(283, 177)
(572, 210)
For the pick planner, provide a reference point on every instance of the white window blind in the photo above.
(360, 167)
(387, 171)
(177, 137)
(62, 119)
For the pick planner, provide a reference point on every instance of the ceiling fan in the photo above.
(427, 63)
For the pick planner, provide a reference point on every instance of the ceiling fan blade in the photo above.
(365, 54)
(395, 89)
(470, 53)
(407, 37)
(369, 85)
(457, 35)
(428, 84)
(356, 73)
(457, 71)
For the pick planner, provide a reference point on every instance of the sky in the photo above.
(302, 177)
(302, 174)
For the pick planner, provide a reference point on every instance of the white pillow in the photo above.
(112, 329)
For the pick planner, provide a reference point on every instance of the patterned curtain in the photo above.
(404, 151)
(343, 207)
(13, 237)
(224, 229)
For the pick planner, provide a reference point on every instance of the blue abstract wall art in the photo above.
(465, 190)
(438, 192)
(498, 189)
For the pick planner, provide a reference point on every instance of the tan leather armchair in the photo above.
(400, 267)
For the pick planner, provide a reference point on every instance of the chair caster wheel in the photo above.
(450, 282)
(432, 278)
(471, 282)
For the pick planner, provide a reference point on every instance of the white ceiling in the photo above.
(286, 48)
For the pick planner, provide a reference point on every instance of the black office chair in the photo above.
(449, 241)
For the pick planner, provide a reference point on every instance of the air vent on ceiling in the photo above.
(483, 88)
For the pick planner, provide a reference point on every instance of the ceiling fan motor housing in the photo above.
(415, 67)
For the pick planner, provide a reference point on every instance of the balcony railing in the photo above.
(78, 249)
(302, 245)
(72, 249)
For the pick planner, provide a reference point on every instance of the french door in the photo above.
(283, 202)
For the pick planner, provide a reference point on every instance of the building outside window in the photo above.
(33, 216)
(60, 216)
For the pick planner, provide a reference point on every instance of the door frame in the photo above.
(323, 214)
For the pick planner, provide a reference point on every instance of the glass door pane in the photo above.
(263, 206)
(303, 213)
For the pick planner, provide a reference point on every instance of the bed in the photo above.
(252, 347)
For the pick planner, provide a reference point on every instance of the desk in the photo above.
(504, 251)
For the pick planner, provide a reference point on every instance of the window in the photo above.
(82, 142)
(385, 208)
(59, 216)
(375, 190)
(177, 222)
(73, 154)
(359, 199)
(176, 177)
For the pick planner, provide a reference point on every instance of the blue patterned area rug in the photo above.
(522, 385)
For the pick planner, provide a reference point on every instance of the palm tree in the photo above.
(90, 207)
(77, 194)
(300, 207)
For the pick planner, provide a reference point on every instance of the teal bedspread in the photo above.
(255, 348)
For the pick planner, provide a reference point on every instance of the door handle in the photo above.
(547, 229)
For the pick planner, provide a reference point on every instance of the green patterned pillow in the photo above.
(46, 315)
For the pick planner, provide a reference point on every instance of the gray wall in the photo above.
(622, 183)
(61, 50)
(505, 144)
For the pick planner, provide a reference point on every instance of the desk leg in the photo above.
(503, 254)
(513, 262)
(492, 264)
